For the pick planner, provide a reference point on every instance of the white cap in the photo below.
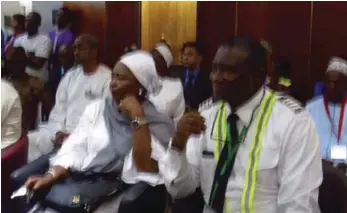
(338, 65)
(165, 51)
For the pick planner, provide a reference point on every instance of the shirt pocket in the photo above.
(93, 93)
(266, 166)
(208, 167)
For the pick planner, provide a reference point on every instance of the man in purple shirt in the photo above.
(63, 34)
(59, 37)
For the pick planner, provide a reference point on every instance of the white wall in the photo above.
(8, 8)
(45, 9)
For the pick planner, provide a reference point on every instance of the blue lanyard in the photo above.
(187, 77)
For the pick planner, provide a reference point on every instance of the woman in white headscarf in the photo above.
(123, 135)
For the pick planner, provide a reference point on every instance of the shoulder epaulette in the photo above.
(206, 104)
(290, 102)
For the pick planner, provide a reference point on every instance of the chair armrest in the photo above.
(36, 167)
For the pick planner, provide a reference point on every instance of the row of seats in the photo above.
(332, 197)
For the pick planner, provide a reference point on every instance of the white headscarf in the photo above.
(165, 51)
(142, 65)
(338, 65)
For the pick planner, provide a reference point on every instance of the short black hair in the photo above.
(92, 42)
(257, 53)
(20, 19)
(194, 44)
(282, 68)
(37, 17)
(68, 13)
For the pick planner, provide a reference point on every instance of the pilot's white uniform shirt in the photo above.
(289, 168)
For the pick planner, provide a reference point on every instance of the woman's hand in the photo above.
(39, 182)
(131, 107)
(60, 137)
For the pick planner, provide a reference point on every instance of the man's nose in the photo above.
(331, 85)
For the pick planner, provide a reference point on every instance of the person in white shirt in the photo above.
(330, 116)
(11, 115)
(170, 99)
(122, 133)
(37, 47)
(87, 81)
(251, 151)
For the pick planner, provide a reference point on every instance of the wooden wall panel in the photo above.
(329, 35)
(114, 24)
(92, 20)
(286, 26)
(275, 22)
(177, 20)
(252, 19)
(215, 24)
(288, 31)
(123, 28)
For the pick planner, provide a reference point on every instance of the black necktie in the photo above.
(190, 82)
(221, 176)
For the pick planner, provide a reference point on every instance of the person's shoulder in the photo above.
(288, 104)
(287, 111)
(290, 115)
(104, 68)
(177, 71)
(20, 39)
(43, 37)
(7, 87)
(52, 33)
(73, 71)
(8, 92)
(39, 39)
(173, 83)
(314, 101)
(208, 107)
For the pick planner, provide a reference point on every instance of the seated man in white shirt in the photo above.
(122, 135)
(11, 115)
(170, 99)
(87, 81)
(37, 47)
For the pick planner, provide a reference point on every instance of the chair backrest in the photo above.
(333, 191)
(12, 158)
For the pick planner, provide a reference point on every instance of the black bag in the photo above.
(83, 193)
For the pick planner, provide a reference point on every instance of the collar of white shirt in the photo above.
(245, 111)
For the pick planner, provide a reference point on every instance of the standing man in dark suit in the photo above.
(196, 83)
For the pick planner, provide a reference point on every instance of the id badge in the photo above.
(338, 152)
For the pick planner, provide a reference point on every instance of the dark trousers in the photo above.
(152, 200)
(193, 203)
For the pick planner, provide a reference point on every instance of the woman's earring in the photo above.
(140, 92)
